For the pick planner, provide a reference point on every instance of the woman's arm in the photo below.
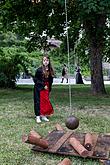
(38, 79)
(50, 83)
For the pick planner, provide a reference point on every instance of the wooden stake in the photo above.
(88, 144)
(33, 133)
(78, 147)
(59, 127)
(65, 161)
(35, 139)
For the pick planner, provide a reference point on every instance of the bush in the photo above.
(12, 60)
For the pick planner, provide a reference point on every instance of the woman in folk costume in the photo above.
(64, 73)
(79, 79)
(43, 81)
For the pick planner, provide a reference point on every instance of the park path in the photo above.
(56, 81)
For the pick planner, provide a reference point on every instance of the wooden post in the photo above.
(88, 144)
(65, 161)
(78, 147)
(35, 139)
(35, 134)
(59, 127)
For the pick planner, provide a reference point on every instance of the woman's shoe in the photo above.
(38, 120)
(44, 118)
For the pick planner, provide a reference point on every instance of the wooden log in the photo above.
(78, 147)
(88, 144)
(38, 142)
(25, 138)
(33, 133)
(65, 161)
(35, 139)
(59, 127)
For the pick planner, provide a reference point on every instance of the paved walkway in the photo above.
(56, 81)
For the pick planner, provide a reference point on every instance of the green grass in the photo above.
(17, 118)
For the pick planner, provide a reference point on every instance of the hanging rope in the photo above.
(68, 55)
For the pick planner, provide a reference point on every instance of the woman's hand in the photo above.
(46, 87)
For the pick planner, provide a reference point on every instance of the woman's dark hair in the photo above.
(51, 71)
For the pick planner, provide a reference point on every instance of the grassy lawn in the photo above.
(17, 118)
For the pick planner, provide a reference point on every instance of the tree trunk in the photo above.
(95, 33)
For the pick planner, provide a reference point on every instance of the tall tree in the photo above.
(93, 15)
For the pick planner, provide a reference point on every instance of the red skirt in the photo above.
(45, 104)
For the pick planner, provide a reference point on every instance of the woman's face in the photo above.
(45, 61)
